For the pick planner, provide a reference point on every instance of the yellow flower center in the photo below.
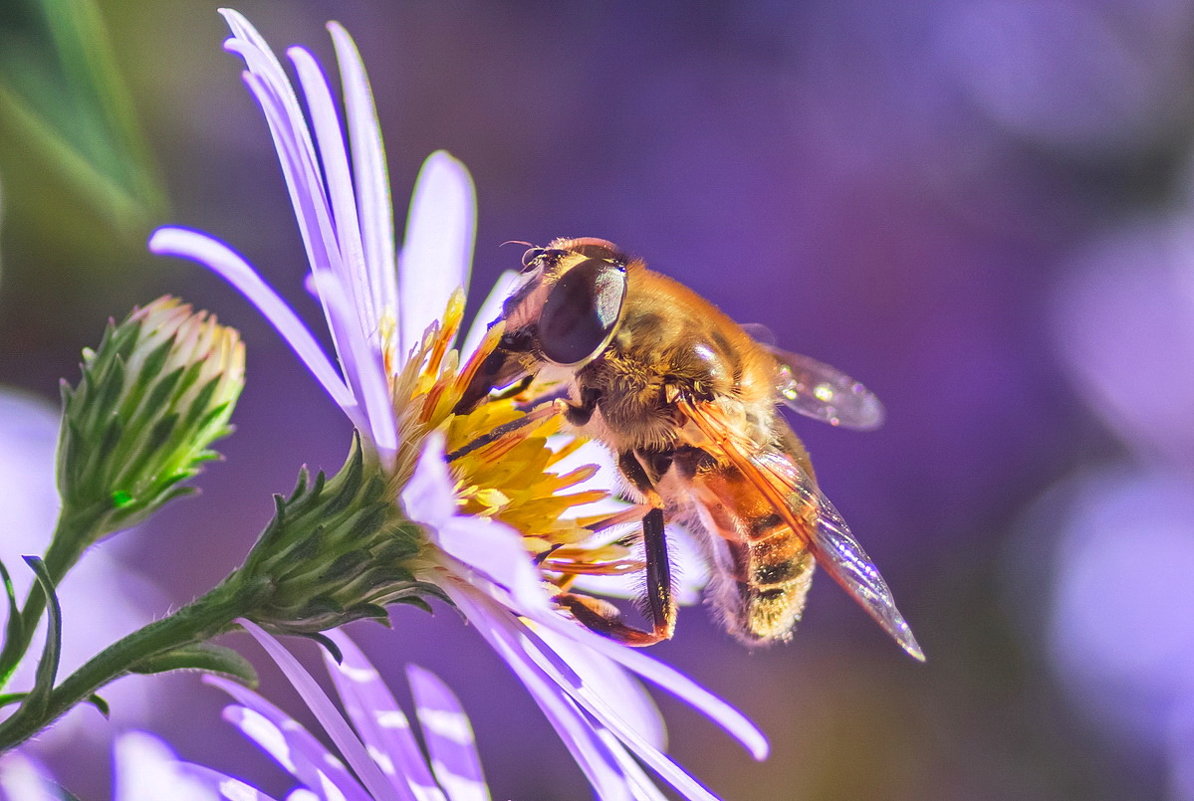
(509, 478)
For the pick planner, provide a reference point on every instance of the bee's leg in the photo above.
(533, 416)
(515, 389)
(579, 414)
(661, 605)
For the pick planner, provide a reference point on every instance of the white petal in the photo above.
(21, 780)
(437, 251)
(374, 206)
(232, 267)
(147, 770)
(491, 309)
(330, 718)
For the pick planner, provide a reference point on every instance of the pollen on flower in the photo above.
(513, 477)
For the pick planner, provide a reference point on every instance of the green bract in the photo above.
(154, 395)
(338, 549)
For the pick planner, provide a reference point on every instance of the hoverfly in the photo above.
(687, 401)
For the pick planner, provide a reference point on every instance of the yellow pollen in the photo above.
(508, 479)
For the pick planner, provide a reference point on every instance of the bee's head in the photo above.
(564, 311)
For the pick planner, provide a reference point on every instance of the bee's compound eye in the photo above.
(528, 258)
(581, 311)
(593, 248)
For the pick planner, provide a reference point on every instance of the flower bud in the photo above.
(155, 394)
(337, 550)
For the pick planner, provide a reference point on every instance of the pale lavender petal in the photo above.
(676, 683)
(363, 366)
(437, 250)
(307, 195)
(491, 309)
(329, 717)
(610, 681)
(225, 787)
(575, 730)
(286, 741)
(378, 719)
(235, 270)
(268, 83)
(269, 66)
(21, 779)
(374, 205)
(590, 699)
(262, 62)
(292, 140)
(449, 737)
(429, 497)
(641, 784)
(147, 770)
(495, 551)
(329, 136)
(303, 183)
(490, 548)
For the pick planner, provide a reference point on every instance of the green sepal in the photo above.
(327, 643)
(47, 667)
(411, 600)
(338, 549)
(100, 704)
(203, 656)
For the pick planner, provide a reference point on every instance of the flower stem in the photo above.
(71, 536)
(199, 621)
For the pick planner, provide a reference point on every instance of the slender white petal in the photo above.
(577, 732)
(329, 137)
(610, 681)
(147, 770)
(491, 309)
(378, 718)
(235, 270)
(225, 787)
(676, 683)
(374, 205)
(641, 785)
(329, 717)
(449, 737)
(22, 780)
(285, 740)
(437, 250)
(363, 364)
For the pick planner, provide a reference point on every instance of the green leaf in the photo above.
(47, 668)
(11, 698)
(12, 631)
(69, 111)
(201, 656)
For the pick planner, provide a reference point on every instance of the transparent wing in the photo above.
(796, 498)
(824, 393)
(835, 548)
(759, 333)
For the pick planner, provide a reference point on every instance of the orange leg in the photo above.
(603, 617)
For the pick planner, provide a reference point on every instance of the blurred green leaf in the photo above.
(203, 656)
(47, 668)
(64, 105)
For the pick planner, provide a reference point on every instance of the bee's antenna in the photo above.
(516, 242)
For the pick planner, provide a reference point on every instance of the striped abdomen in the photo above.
(762, 568)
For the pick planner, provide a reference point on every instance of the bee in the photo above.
(686, 399)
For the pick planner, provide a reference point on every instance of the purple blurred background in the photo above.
(980, 209)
